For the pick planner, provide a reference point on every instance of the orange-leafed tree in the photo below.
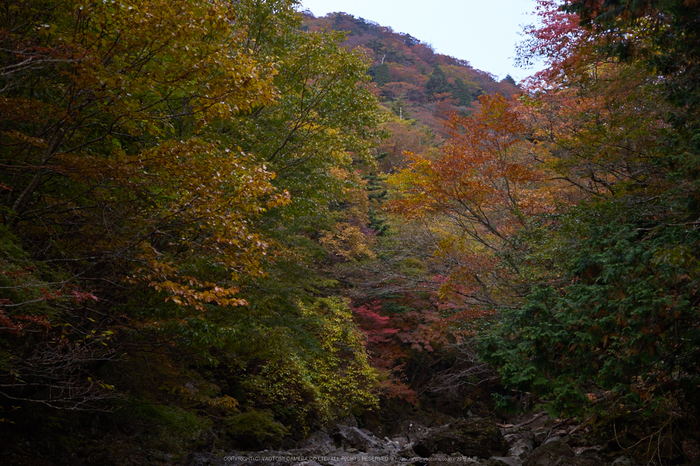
(601, 117)
(479, 194)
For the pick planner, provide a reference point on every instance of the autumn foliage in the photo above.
(482, 191)
(163, 164)
(196, 230)
(571, 211)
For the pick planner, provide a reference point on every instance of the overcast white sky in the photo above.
(483, 32)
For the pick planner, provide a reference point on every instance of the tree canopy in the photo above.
(212, 222)
(169, 168)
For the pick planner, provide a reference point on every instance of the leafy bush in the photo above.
(620, 329)
(254, 430)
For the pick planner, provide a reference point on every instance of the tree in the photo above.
(509, 79)
(380, 74)
(463, 92)
(607, 336)
(163, 164)
(437, 84)
(479, 194)
(111, 182)
(664, 36)
(322, 125)
(112, 111)
(615, 333)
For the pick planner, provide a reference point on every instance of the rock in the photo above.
(468, 442)
(398, 442)
(550, 454)
(411, 430)
(407, 451)
(470, 437)
(623, 461)
(540, 434)
(520, 443)
(590, 453)
(319, 443)
(341, 462)
(564, 461)
(452, 460)
(417, 462)
(203, 459)
(353, 437)
(503, 461)
(551, 439)
(349, 421)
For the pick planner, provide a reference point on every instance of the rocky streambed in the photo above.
(538, 441)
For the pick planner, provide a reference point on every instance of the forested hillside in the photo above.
(229, 224)
(420, 87)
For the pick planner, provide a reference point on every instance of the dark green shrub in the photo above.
(255, 430)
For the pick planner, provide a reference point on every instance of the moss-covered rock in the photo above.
(479, 437)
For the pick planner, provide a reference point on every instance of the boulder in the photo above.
(540, 434)
(470, 437)
(520, 443)
(319, 444)
(594, 454)
(565, 461)
(407, 451)
(411, 430)
(203, 459)
(554, 438)
(550, 454)
(353, 437)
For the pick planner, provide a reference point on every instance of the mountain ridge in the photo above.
(419, 87)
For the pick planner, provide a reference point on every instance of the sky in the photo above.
(483, 32)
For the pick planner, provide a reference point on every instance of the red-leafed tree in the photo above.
(386, 354)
